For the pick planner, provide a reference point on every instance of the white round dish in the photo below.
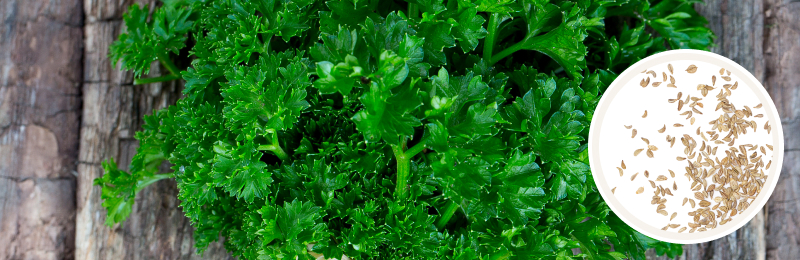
(624, 103)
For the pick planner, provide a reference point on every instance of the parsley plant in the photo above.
(391, 129)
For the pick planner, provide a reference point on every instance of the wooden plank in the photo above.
(40, 75)
(113, 111)
(782, 55)
(739, 26)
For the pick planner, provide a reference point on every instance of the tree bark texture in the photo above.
(113, 111)
(764, 37)
(40, 103)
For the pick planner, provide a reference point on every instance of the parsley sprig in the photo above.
(390, 129)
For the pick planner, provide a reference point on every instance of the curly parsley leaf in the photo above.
(371, 129)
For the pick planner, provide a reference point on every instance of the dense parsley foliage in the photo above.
(390, 129)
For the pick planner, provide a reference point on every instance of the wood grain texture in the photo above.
(764, 37)
(113, 111)
(782, 55)
(40, 74)
(739, 26)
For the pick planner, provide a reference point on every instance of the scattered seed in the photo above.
(614, 189)
(692, 69)
(681, 230)
(628, 126)
(723, 186)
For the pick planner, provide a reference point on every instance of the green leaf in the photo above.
(469, 28)
(386, 115)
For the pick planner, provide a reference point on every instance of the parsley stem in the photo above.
(506, 52)
(278, 151)
(448, 213)
(413, 151)
(413, 11)
(488, 42)
(174, 73)
(167, 62)
(403, 172)
(164, 78)
(275, 149)
(141, 184)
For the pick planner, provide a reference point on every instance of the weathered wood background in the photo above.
(64, 109)
(113, 111)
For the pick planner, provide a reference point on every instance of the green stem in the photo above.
(164, 59)
(488, 42)
(448, 213)
(413, 151)
(141, 184)
(403, 172)
(413, 11)
(506, 52)
(174, 72)
(278, 151)
(275, 147)
(141, 81)
(266, 46)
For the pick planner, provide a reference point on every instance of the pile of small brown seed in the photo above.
(723, 186)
